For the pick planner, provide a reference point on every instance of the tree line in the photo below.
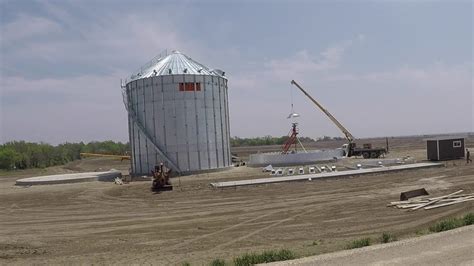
(23, 155)
(269, 140)
(266, 140)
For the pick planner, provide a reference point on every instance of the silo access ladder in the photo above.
(142, 128)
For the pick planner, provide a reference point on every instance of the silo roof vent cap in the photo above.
(218, 72)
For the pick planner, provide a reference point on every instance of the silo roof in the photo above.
(173, 64)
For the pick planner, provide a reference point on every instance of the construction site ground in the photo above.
(101, 222)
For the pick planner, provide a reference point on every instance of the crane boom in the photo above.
(346, 133)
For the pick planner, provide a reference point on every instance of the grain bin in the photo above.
(178, 114)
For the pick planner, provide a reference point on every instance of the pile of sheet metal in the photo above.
(426, 203)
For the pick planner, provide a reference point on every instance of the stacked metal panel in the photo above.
(178, 115)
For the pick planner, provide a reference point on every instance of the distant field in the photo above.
(395, 143)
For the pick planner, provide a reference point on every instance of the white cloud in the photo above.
(303, 63)
(436, 76)
(25, 27)
(84, 105)
(116, 42)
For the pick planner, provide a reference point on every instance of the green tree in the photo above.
(8, 158)
(22, 155)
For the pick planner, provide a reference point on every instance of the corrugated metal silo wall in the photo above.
(190, 127)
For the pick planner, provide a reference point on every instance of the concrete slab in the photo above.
(324, 175)
(69, 178)
(301, 158)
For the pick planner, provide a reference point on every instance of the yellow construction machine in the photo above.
(121, 157)
(161, 178)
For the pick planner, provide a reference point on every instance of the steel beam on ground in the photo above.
(323, 175)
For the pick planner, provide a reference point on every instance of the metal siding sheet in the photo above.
(152, 154)
(206, 95)
(228, 125)
(215, 112)
(212, 159)
(177, 79)
(149, 116)
(210, 123)
(130, 93)
(203, 145)
(181, 127)
(225, 133)
(167, 79)
(204, 157)
(146, 143)
(136, 105)
(170, 126)
(223, 122)
(196, 125)
(148, 89)
(199, 78)
(158, 113)
(183, 161)
(191, 125)
(218, 123)
(185, 122)
(139, 94)
(130, 129)
(193, 161)
(136, 149)
(144, 153)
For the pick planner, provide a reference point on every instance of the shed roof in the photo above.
(446, 138)
(172, 64)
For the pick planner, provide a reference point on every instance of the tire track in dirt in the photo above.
(261, 230)
(223, 230)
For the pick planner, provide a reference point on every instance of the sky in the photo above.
(382, 68)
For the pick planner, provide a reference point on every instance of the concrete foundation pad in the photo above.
(323, 175)
(69, 178)
(301, 158)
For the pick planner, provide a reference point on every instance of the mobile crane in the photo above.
(367, 151)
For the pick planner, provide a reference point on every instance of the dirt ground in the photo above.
(104, 223)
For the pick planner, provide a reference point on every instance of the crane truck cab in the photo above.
(345, 148)
(349, 149)
(367, 151)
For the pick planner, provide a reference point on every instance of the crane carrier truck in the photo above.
(367, 151)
